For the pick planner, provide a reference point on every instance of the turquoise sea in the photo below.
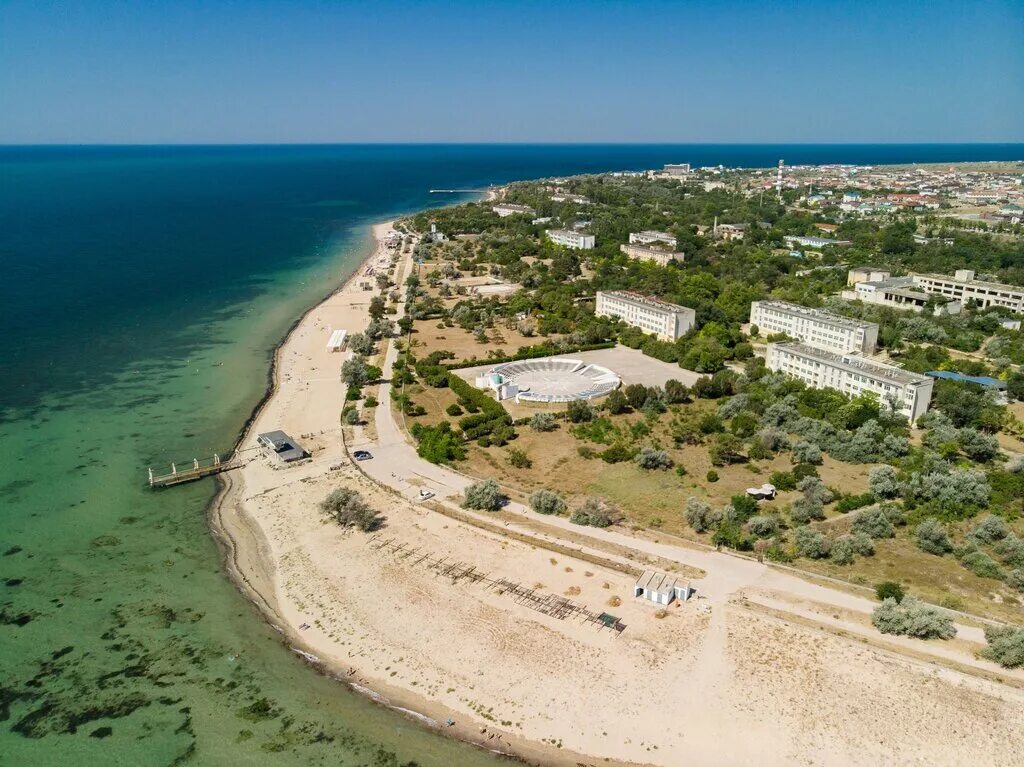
(142, 291)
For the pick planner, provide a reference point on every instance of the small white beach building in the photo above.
(660, 588)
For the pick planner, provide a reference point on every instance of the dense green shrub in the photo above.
(981, 564)
(763, 526)
(438, 443)
(595, 513)
(579, 411)
(518, 458)
(453, 410)
(649, 458)
(811, 544)
(854, 502)
(699, 515)
(889, 590)
(912, 618)
(543, 422)
(874, 523)
(485, 495)
(1005, 646)
(347, 508)
(546, 502)
(783, 480)
(990, 530)
(932, 537)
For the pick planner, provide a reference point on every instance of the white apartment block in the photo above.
(644, 253)
(677, 168)
(652, 315)
(908, 393)
(963, 287)
(510, 209)
(648, 237)
(815, 327)
(568, 238)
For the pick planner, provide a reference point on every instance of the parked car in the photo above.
(362, 455)
(425, 495)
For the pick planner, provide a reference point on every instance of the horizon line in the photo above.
(24, 145)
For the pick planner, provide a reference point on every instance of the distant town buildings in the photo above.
(576, 198)
(510, 209)
(907, 393)
(646, 253)
(648, 237)
(665, 320)
(815, 327)
(569, 238)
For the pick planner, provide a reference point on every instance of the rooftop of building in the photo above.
(854, 364)
(822, 315)
(654, 233)
(568, 232)
(640, 298)
(987, 381)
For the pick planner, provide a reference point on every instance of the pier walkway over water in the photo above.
(198, 469)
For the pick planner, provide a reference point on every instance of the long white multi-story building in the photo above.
(963, 287)
(815, 327)
(652, 315)
(649, 236)
(645, 253)
(510, 209)
(569, 238)
(908, 393)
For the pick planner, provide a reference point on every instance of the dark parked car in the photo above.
(362, 455)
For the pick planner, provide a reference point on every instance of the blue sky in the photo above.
(558, 71)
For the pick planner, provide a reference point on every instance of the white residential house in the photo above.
(568, 238)
(648, 237)
(908, 393)
(815, 327)
(665, 320)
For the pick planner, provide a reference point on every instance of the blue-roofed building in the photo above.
(994, 384)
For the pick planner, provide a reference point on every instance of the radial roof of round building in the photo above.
(556, 379)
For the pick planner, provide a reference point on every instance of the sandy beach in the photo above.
(755, 670)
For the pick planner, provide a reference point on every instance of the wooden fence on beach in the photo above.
(548, 604)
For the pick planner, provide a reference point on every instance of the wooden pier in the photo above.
(198, 469)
